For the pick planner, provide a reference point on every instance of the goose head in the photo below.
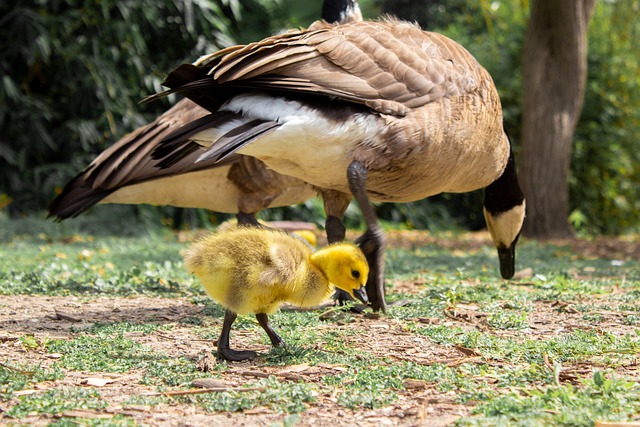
(504, 212)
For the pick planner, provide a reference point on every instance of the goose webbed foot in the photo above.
(341, 298)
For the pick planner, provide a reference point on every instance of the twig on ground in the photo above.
(204, 390)
(20, 371)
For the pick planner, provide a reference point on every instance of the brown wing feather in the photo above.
(128, 162)
(389, 66)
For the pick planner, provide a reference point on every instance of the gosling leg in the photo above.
(224, 352)
(263, 320)
(373, 240)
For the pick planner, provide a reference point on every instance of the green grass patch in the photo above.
(279, 396)
(15, 377)
(56, 401)
(516, 381)
(598, 398)
(103, 348)
(149, 264)
(115, 421)
(576, 346)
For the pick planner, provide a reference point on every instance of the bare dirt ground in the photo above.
(418, 404)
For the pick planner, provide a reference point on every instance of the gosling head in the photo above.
(346, 267)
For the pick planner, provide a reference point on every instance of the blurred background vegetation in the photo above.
(73, 72)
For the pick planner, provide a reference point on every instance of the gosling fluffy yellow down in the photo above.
(255, 270)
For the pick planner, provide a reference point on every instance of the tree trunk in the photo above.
(554, 73)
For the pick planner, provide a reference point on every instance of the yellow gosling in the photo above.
(256, 270)
(306, 234)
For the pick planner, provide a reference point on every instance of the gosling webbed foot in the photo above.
(236, 355)
(224, 352)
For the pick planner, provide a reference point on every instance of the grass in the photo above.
(596, 398)
(56, 401)
(554, 348)
(14, 377)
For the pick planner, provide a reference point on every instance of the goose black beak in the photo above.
(507, 257)
(361, 294)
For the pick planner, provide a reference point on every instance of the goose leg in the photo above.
(263, 320)
(335, 229)
(373, 240)
(247, 219)
(335, 205)
(224, 352)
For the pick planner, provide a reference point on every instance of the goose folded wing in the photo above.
(390, 66)
(128, 161)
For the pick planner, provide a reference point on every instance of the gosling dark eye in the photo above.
(355, 274)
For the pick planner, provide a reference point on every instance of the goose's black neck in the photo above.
(335, 11)
(504, 193)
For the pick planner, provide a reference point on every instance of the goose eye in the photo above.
(355, 274)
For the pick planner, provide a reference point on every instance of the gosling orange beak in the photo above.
(361, 294)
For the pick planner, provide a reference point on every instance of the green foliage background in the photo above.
(605, 190)
(73, 72)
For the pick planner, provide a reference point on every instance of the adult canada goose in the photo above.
(381, 110)
(125, 173)
(254, 270)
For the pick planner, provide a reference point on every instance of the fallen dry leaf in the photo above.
(85, 413)
(617, 424)
(467, 351)
(296, 368)
(526, 273)
(207, 362)
(97, 382)
(24, 392)
(415, 384)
